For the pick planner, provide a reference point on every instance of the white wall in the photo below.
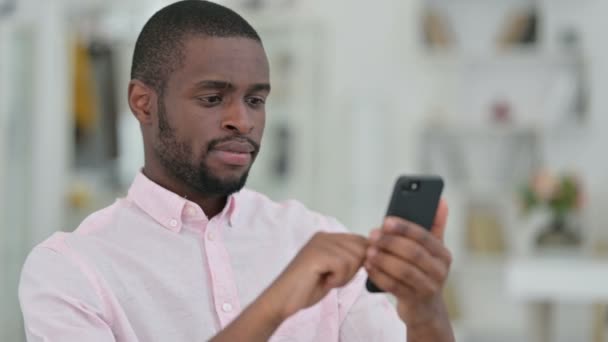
(588, 153)
(4, 86)
(35, 124)
(370, 110)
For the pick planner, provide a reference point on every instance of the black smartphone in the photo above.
(414, 198)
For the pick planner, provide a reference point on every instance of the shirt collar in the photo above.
(169, 209)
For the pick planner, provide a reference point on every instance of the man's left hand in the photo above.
(412, 263)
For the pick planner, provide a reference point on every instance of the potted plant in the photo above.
(562, 196)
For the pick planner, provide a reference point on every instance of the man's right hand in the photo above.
(327, 261)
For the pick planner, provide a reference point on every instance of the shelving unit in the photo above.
(537, 83)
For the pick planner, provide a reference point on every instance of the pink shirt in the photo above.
(153, 267)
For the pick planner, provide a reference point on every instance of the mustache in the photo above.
(242, 139)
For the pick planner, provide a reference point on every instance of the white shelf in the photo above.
(558, 278)
(521, 57)
(568, 130)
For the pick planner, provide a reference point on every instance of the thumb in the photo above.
(441, 218)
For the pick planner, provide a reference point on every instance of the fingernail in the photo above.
(389, 222)
(374, 235)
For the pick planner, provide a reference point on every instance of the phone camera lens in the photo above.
(414, 186)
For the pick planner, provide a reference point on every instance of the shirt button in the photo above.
(227, 307)
(173, 223)
(210, 236)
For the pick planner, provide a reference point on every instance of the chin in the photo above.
(240, 178)
(230, 172)
(231, 178)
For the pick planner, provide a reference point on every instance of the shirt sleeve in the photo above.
(367, 317)
(59, 300)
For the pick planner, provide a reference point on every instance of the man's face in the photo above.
(212, 113)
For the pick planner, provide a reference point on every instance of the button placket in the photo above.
(223, 283)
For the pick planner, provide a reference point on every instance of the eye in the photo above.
(210, 100)
(256, 100)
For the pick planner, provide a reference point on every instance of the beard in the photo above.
(176, 157)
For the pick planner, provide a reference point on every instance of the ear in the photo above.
(142, 101)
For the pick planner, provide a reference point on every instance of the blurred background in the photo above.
(503, 98)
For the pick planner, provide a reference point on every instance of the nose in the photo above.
(237, 119)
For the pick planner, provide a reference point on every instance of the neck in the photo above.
(211, 204)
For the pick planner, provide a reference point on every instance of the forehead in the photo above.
(240, 61)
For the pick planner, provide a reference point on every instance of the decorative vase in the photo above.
(559, 233)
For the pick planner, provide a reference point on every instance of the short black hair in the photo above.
(159, 47)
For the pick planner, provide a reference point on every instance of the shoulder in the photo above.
(56, 280)
(60, 256)
(106, 217)
(53, 259)
(47, 255)
(52, 265)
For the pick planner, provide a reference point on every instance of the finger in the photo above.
(405, 273)
(375, 234)
(410, 230)
(356, 244)
(348, 249)
(411, 252)
(342, 267)
(351, 238)
(350, 252)
(334, 268)
(441, 218)
(388, 283)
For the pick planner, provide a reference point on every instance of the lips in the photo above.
(234, 153)
(235, 146)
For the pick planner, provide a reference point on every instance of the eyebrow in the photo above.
(223, 85)
(260, 87)
(213, 85)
